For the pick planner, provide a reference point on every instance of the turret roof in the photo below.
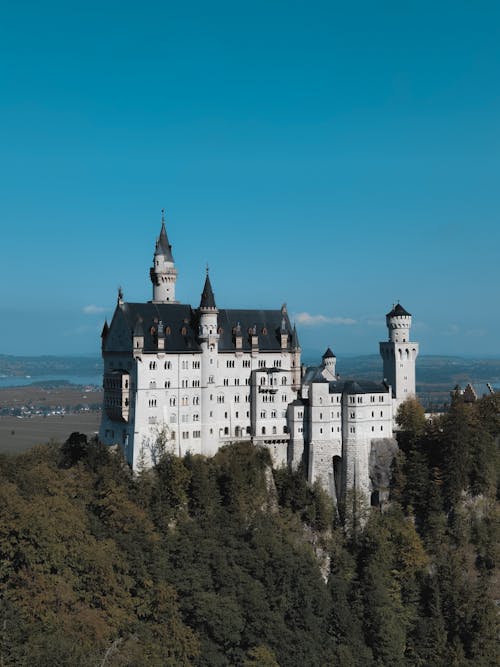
(398, 311)
(207, 296)
(295, 339)
(328, 354)
(163, 246)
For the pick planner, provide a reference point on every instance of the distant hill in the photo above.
(11, 366)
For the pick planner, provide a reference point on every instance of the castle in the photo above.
(179, 379)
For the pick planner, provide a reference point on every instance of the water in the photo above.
(15, 381)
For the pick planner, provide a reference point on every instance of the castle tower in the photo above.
(399, 355)
(329, 364)
(208, 337)
(163, 272)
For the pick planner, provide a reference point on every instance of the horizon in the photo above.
(336, 158)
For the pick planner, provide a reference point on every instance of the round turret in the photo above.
(398, 323)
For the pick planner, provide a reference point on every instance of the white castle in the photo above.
(179, 379)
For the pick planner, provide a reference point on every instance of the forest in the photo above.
(225, 561)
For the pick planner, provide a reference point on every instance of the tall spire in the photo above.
(207, 296)
(163, 273)
(163, 246)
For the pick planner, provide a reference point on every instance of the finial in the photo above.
(120, 294)
(207, 269)
(162, 216)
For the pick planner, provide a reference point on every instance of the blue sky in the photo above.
(336, 156)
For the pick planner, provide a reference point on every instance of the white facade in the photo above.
(181, 379)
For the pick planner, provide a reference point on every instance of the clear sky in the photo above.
(338, 156)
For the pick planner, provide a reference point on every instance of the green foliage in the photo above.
(205, 562)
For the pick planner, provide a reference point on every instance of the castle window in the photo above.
(352, 415)
(167, 365)
(237, 382)
(172, 402)
(321, 415)
(152, 365)
(381, 413)
(246, 363)
(168, 331)
(321, 430)
(237, 398)
(183, 331)
(352, 399)
(263, 430)
(372, 399)
(274, 430)
(352, 429)
(264, 331)
(263, 414)
(360, 399)
(173, 419)
(381, 399)
(373, 428)
(152, 385)
(283, 380)
(273, 414)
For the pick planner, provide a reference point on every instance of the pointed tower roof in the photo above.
(207, 296)
(295, 338)
(105, 329)
(328, 354)
(398, 311)
(163, 246)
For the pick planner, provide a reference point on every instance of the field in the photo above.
(18, 434)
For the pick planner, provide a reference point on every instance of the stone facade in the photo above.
(179, 379)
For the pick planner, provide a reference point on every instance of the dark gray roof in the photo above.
(299, 402)
(360, 387)
(180, 324)
(295, 339)
(328, 354)
(266, 323)
(207, 296)
(398, 311)
(163, 247)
